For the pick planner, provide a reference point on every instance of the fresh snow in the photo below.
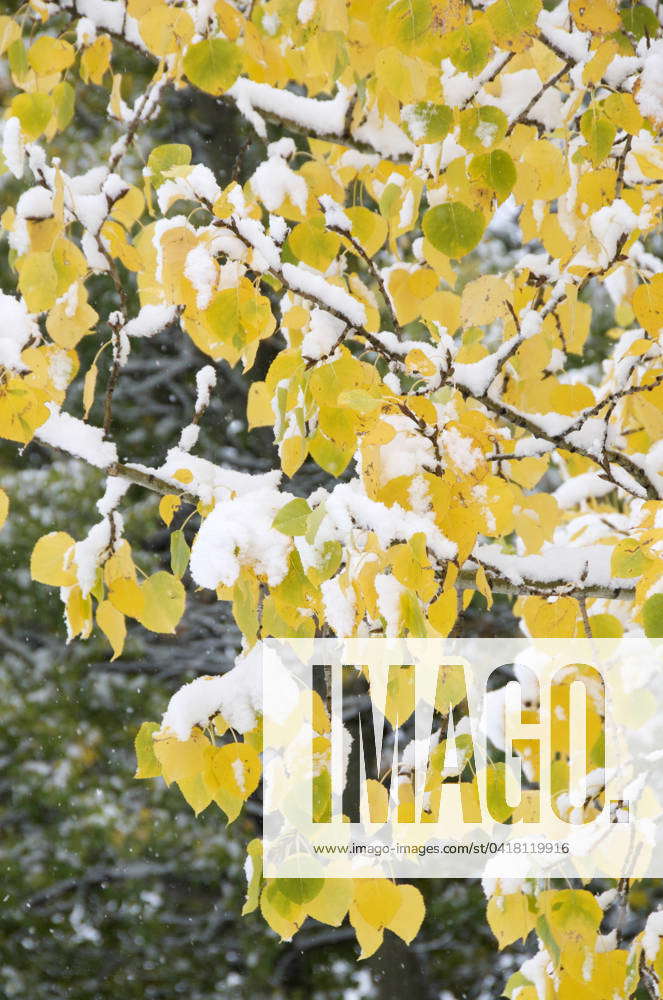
(205, 382)
(324, 331)
(274, 181)
(239, 532)
(17, 329)
(319, 117)
(150, 320)
(331, 296)
(88, 552)
(579, 488)
(77, 438)
(116, 487)
(13, 147)
(650, 93)
(236, 695)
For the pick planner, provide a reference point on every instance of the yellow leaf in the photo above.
(38, 281)
(95, 60)
(368, 936)
(66, 325)
(484, 587)
(332, 902)
(236, 769)
(417, 361)
(129, 208)
(484, 300)
(89, 384)
(164, 599)
(544, 175)
(378, 800)
(147, 765)
(409, 916)
(648, 304)
(34, 113)
(184, 476)
(511, 916)
(48, 559)
(127, 597)
(368, 228)
(168, 505)
(116, 238)
(181, 759)
(78, 613)
(311, 243)
(111, 623)
(22, 410)
(377, 900)
(293, 452)
(551, 619)
(10, 32)
(254, 875)
(196, 793)
(259, 406)
(4, 507)
(443, 612)
(282, 915)
(166, 30)
(120, 564)
(50, 55)
(441, 309)
(597, 16)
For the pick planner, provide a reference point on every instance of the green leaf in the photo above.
(453, 229)
(426, 121)
(329, 455)
(401, 22)
(245, 607)
(321, 797)
(299, 890)
(628, 560)
(639, 21)
(18, 59)
(652, 616)
(498, 807)
(64, 100)
(293, 518)
(213, 65)
(222, 317)
(482, 128)
(162, 158)
(509, 18)
(180, 553)
(34, 112)
(496, 170)
(147, 765)
(605, 627)
(468, 48)
(254, 854)
(599, 133)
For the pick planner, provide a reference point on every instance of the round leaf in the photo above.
(213, 65)
(652, 616)
(164, 602)
(453, 229)
(293, 518)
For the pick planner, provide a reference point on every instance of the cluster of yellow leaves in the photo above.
(157, 602)
(567, 923)
(372, 905)
(338, 404)
(227, 775)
